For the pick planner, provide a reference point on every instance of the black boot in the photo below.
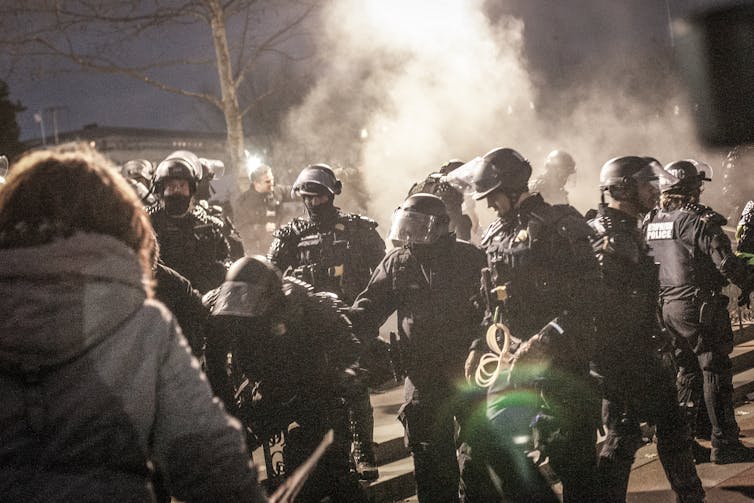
(733, 452)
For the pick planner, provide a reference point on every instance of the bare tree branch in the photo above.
(269, 43)
(105, 66)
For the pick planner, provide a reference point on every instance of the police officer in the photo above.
(559, 166)
(636, 386)
(296, 348)
(191, 241)
(334, 252)
(542, 289)
(436, 184)
(258, 210)
(430, 279)
(696, 262)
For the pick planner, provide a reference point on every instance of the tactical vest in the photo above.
(534, 263)
(334, 259)
(671, 236)
(629, 272)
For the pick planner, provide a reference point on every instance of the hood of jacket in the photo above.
(60, 299)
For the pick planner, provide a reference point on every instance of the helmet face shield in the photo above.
(238, 298)
(656, 175)
(412, 227)
(462, 178)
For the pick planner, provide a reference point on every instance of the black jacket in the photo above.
(338, 257)
(436, 298)
(542, 256)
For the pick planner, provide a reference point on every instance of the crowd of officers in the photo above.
(554, 327)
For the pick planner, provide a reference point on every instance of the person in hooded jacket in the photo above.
(97, 383)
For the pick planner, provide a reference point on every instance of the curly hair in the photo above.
(54, 193)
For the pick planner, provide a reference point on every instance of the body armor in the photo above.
(194, 246)
(672, 239)
(338, 258)
(531, 256)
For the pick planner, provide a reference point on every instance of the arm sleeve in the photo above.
(282, 252)
(376, 303)
(713, 241)
(198, 447)
(375, 247)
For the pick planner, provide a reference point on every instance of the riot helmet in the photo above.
(501, 169)
(688, 177)
(450, 166)
(140, 170)
(621, 178)
(181, 164)
(562, 161)
(253, 288)
(422, 219)
(315, 180)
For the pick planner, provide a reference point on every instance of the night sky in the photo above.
(556, 39)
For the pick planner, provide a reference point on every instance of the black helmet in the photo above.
(181, 164)
(689, 175)
(253, 287)
(501, 168)
(139, 169)
(315, 180)
(421, 219)
(560, 159)
(450, 166)
(620, 175)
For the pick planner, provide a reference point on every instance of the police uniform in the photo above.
(193, 245)
(696, 262)
(336, 255)
(636, 386)
(296, 366)
(546, 283)
(253, 212)
(437, 321)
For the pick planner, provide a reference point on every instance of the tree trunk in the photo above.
(231, 110)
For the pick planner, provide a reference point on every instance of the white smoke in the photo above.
(405, 86)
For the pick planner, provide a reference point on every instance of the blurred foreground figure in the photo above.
(559, 166)
(191, 240)
(636, 386)
(296, 349)
(430, 279)
(696, 262)
(541, 287)
(335, 252)
(97, 384)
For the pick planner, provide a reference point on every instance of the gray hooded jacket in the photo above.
(97, 384)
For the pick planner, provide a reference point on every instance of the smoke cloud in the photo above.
(403, 87)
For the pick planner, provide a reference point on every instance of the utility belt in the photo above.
(708, 302)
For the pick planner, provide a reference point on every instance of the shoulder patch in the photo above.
(659, 230)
